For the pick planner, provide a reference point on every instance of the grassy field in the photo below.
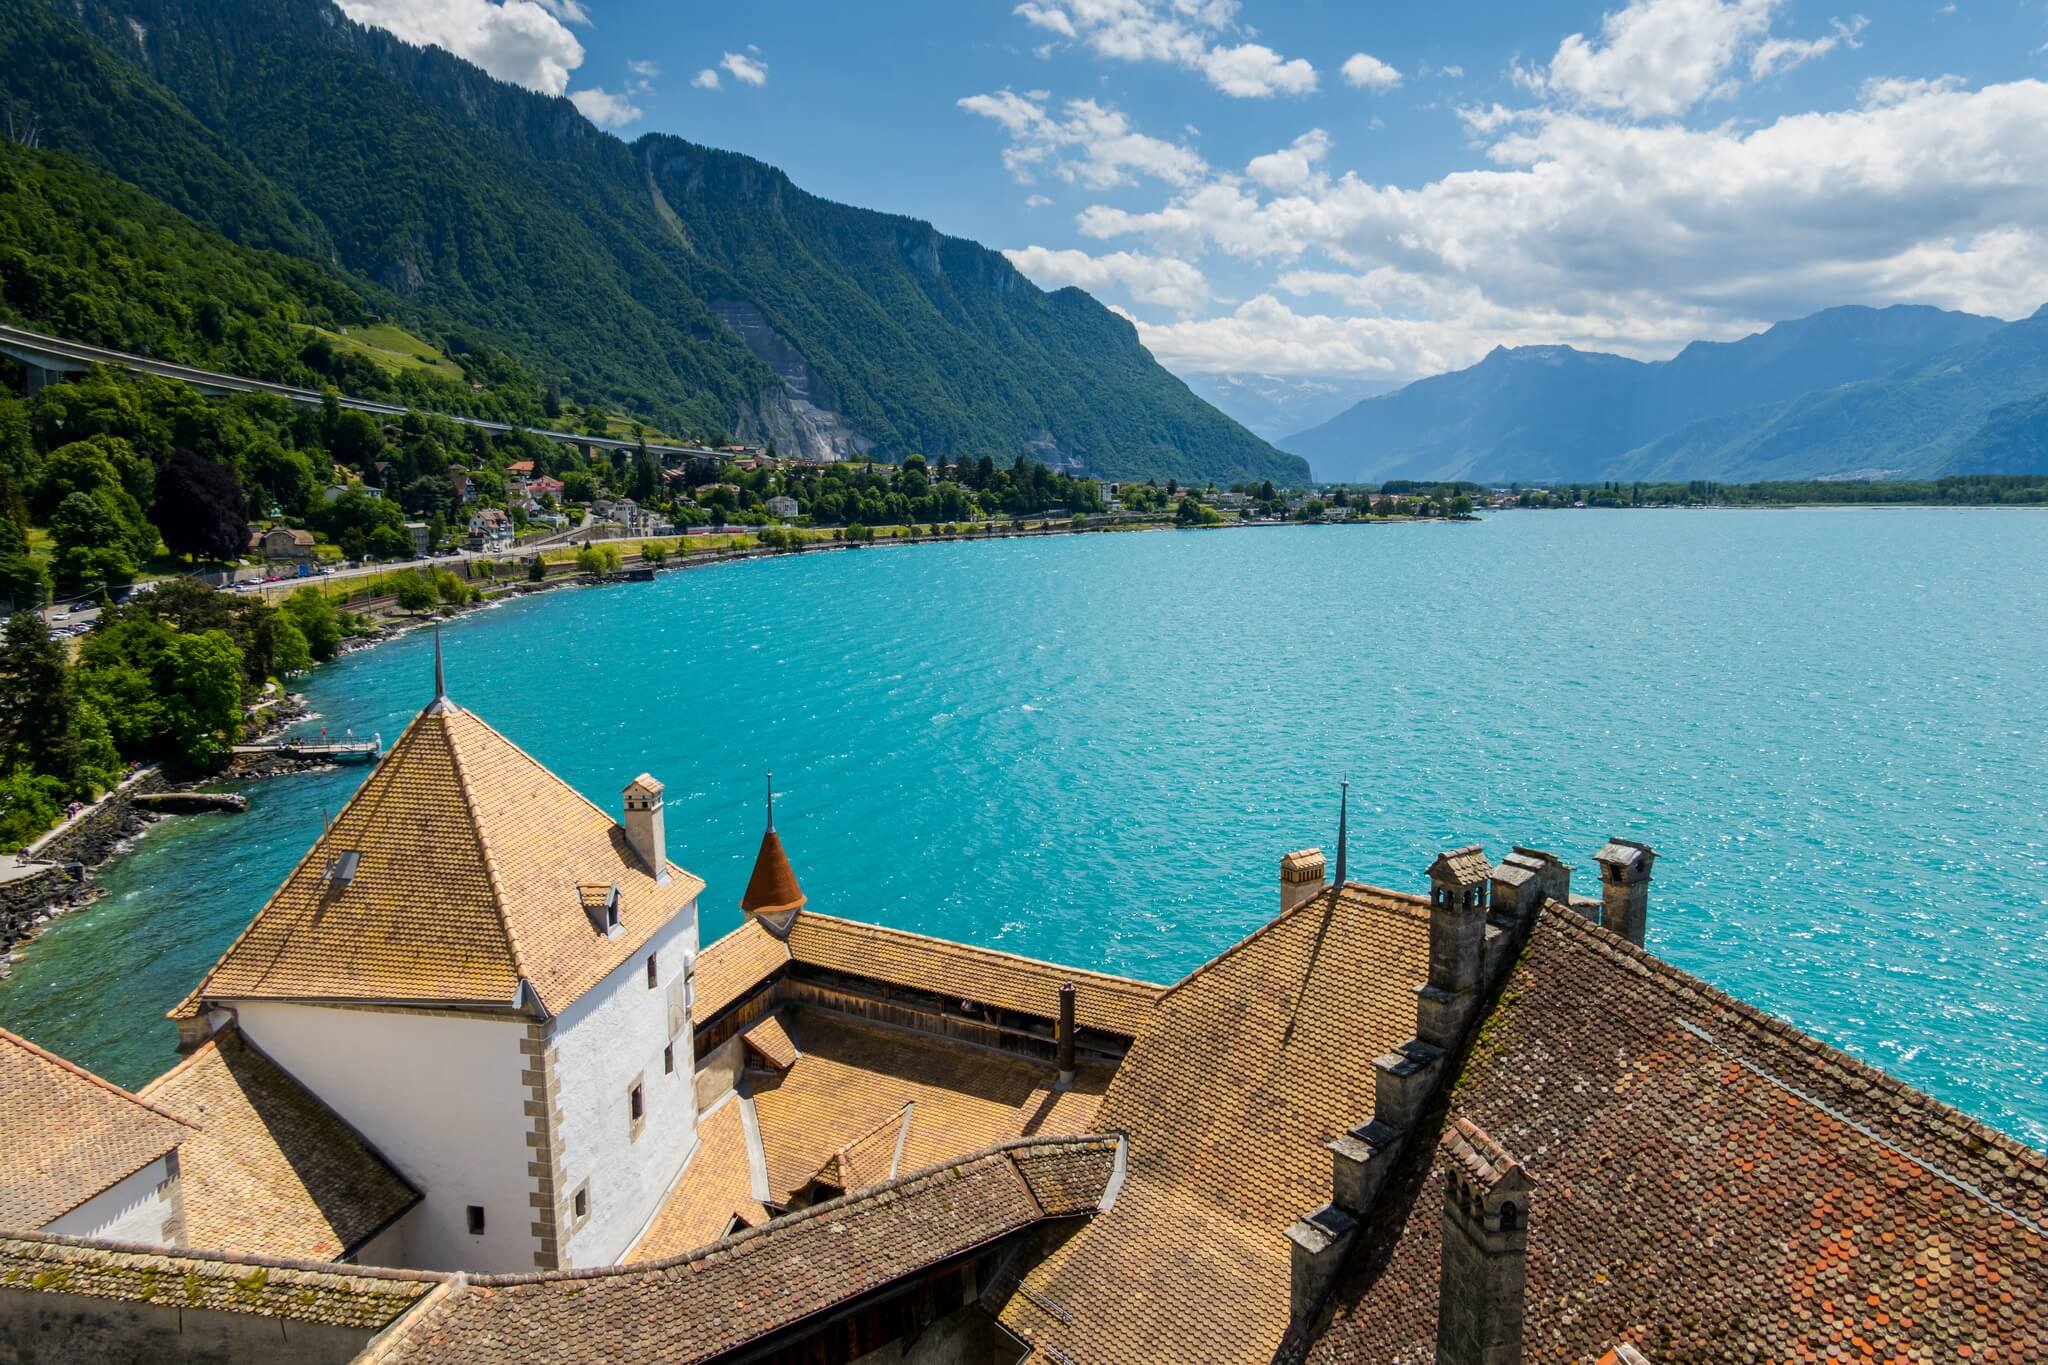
(392, 348)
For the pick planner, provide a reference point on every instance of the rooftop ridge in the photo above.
(2032, 1163)
(1323, 898)
(1005, 1152)
(1079, 972)
(203, 1257)
(483, 846)
(44, 1054)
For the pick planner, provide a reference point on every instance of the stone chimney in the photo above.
(1301, 877)
(1625, 887)
(1525, 879)
(1458, 887)
(646, 830)
(1486, 1250)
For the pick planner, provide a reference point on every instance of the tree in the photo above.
(1462, 505)
(536, 569)
(290, 653)
(203, 694)
(588, 560)
(199, 509)
(23, 584)
(94, 545)
(356, 441)
(413, 591)
(653, 553)
(450, 588)
(38, 709)
(316, 620)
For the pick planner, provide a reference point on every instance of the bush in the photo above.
(29, 804)
(413, 591)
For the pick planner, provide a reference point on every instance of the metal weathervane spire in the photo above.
(440, 682)
(1343, 816)
(771, 802)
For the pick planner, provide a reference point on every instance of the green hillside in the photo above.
(627, 274)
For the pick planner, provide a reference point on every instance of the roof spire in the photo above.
(440, 682)
(1343, 815)
(772, 894)
(771, 801)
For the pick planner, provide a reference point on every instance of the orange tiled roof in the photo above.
(985, 976)
(714, 1188)
(734, 965)
(771, 1041)
(854, 1077)
(273, 1170)
(66, 1135)
(1712, 1184)
(740, 1290)
(772, 889)
(1244, 1071)
(472, 856)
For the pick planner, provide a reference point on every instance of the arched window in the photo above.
(1510, 1218)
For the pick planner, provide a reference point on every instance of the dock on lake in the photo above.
(332, 751)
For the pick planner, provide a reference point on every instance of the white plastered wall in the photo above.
(441, 1097)
(140, 1208)
(614, 1034)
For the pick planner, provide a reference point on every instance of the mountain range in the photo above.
(1900, 392)
(696, 288)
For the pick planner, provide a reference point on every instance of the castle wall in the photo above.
(46, 1328)
(443, 1097)
(142, 1208)
(604, 1043)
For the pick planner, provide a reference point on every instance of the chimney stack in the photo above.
(1066, 1037)
(1459, 882)
(1625, 887)
(646, 830)
(1486, 1250)
(1301, 877)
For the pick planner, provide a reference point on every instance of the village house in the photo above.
(489, 529)
(470, 1048)
(781, 505)
(281, 545)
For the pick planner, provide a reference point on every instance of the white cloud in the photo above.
(1293, 166)
(604, 108)
(1898, 89)
(1623, 236)
(646, 70)
(1659, 58)
(1161, 280)
(519, 41)
(707, 79)
(1368, 72)
(1092, 145)
(1485, 121)
(1184, 33)
(746, 70)
(568, 11)
(1456, 73)
(1036, 201)
(1775, 55)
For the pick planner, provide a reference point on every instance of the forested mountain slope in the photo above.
(698, 288)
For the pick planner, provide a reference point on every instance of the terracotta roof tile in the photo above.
(854, 1078)
(357, 1298)
(714, 1188)
(770, 1041)
(1463, 866)
(1712, 1184)
(472, 860)
(734, 965)
(66, 1135)
(749, 1286)
(1112, 1004)
(772, 888)
(272, 1169)
(1244, 1071)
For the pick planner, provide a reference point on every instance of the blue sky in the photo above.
(1354, 193)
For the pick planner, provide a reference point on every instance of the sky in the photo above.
(1365, 192)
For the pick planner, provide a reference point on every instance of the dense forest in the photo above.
(492, 219)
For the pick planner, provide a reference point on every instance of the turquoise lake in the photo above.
(1096, 748)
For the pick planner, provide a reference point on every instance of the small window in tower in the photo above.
(580, 1203)
(653, 974)
(611, 914)
(637, 1102)
(668, 1060)
(476, 1220)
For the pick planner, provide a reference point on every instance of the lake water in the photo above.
(1096, 748)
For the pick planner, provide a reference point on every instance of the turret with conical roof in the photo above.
(772, 894)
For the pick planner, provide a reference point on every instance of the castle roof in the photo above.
(731, 968)
(1241, 1075)
(760, 1281)
(452, 877)
(1710, 1183)
(1462, 866)
(272, 1169)
(772, 889)
(67, 1135)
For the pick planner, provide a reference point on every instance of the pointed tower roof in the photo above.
(454, 876)
(772, 890)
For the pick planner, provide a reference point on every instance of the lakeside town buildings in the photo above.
(467, 1089)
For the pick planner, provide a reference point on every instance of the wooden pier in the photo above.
(327, 751)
